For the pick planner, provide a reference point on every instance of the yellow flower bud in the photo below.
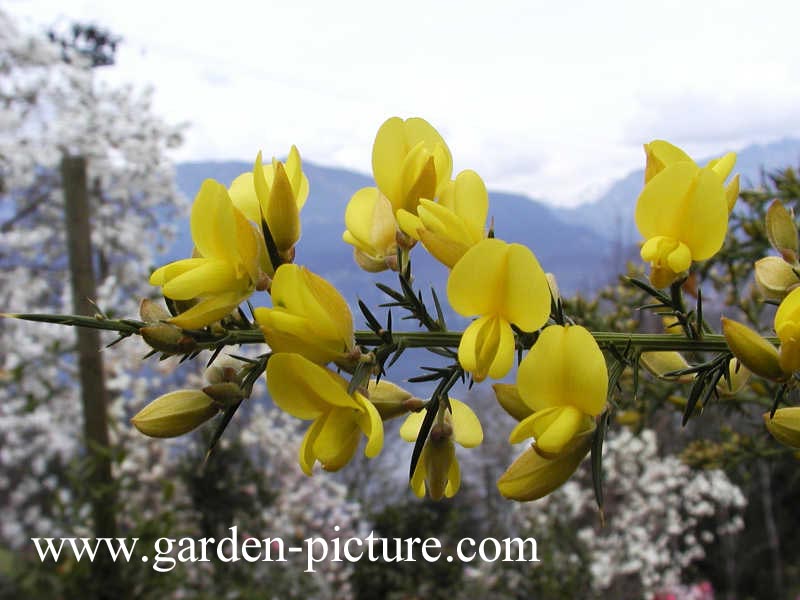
(508, 397)
(309, 317)
(371, 229)
(775, 278)
(167, 338)
(391, 400)
(175, 413)
(533, 475)
(781, 231)
(662, 362)
(756, 353)
(785, 426)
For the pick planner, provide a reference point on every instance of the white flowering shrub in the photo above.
(659, 516)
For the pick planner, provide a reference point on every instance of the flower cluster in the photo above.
(320, 369)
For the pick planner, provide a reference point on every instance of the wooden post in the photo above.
(105, 581)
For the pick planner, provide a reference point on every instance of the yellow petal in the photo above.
(564, 368)
(371, 424)
(478, 281)
(418, 177)
(338, 439)
(755, 353)
(562, 430)
(704, 221)
(208, 277)
(209, 310)
(533, 476)
(300, 382)
(168, 272)
(785, 426)
(284, 375)
(388, 152)
(467, 429)
(732, 193)
(487, 348)
(723, 165)
(409, 223)
(789, 309)
(661, 154)
(298, 179)
(212, 222)
(470, 202)
(420, 474)
(527, 427)
(660, 207)
(440, 219)
(508, 397)
(307, 458)
(282, 214)
(243, 195)
(453, 478)
(527, 294)
(409, 430)
(443, 249)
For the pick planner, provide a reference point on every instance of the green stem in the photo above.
(644, 342)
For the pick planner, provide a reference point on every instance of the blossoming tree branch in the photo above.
(319, 369)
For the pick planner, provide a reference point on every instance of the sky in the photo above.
(550, 99)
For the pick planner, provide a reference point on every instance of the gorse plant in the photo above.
(321, 369)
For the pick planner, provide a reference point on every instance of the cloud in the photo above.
(704, 118)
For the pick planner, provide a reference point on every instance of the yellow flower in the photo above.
(310, 392)
(308, 316)
(453, 225)
(754, 352)
(785, 426)
(565, 381)
(504, 284)
(437, 467)
(371, 230)
(534, 475)
(274, 193)
(682, 211)
(230, 261)
(175, 413)
(410, 160)
(787, 326)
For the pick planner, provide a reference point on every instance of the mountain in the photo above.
(611, 215)
(576, 254)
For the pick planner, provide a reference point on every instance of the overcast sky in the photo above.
(551, 99)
